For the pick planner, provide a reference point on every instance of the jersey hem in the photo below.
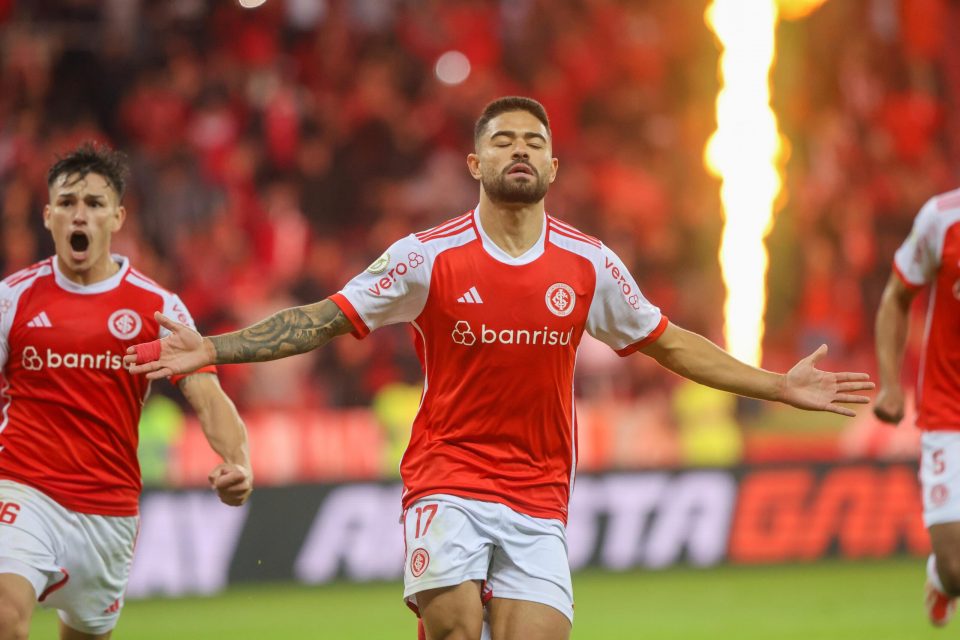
(651, 337)
(939, 428)
(360, 329)
(64, 501)
(547, 514)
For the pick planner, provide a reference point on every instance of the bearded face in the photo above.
(513, 161)
(518, 183)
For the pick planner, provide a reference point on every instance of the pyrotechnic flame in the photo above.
(744, 152)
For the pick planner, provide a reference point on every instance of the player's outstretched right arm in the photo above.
(891, 339)
(285, 333)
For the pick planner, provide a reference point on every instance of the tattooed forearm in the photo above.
(285, 333)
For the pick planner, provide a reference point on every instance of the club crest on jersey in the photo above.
(560, 299)
(380, 264)
(419, 561)
(124, 324)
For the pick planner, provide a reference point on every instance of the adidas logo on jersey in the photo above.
(40, 320)
(471, 297)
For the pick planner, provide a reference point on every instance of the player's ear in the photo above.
(119, 218)
(554, 165)
(473, 164)
(46, 216)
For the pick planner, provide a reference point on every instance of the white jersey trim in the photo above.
(573, 433)
(102, 286)
(426, 385)
(9, 301)
(500, 255)
(920, 255)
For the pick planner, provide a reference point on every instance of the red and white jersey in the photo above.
(70, 410)
(498, 337)
(931, 256)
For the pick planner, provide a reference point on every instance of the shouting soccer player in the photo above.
(499, 299)
(69, 477)
(930, 256)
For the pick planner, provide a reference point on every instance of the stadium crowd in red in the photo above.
(278, 151)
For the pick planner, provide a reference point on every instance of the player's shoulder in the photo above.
(455, 232)
(948, 202)
(453, 228)
(26, 277)
(568, 237)
(145, 285)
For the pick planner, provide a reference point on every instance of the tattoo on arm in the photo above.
(285, 333)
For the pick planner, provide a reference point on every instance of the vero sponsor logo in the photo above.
(633, 297)
(465, 335)
(32, 360)
(414, 260)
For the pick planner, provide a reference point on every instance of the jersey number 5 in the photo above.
(8, 512)
(427, 508)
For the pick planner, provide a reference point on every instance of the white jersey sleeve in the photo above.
(918, 258)
(619, 315)
(173, 307)
(391, 290)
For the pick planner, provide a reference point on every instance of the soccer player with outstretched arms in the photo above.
(69, 476)
(499, 299)
(930, 257)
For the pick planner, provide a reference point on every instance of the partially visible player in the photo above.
(499, 299)
(69, 476)
(930, 257)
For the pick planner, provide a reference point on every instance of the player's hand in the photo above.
(807, 387)
(888, 405)
(232, 482)
(183, 351)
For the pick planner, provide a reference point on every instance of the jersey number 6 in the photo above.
(8, 512)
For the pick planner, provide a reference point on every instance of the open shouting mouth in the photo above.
(79, 243)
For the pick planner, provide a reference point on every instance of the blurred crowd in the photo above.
(277, 151)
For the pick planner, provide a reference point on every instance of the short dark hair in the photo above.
(506, 104)
(91, 157)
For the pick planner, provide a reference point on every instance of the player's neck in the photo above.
(98, 272)
(513, 229)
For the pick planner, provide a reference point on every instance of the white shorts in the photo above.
(77, 563)
(940, 476)
(450, 540)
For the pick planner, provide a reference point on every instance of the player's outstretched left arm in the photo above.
(285, 333)
(804, 386)
(233, 478)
